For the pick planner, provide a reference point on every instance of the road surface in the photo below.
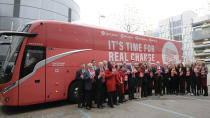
(168, 106)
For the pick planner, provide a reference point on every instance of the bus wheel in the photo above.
(73, 93)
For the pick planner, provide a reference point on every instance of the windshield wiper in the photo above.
(5, 43)
(13, 33)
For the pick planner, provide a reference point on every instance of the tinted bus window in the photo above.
(32, 56)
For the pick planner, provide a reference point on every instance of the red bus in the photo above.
(44, 56)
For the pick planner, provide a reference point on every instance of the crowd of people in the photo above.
(111, 80)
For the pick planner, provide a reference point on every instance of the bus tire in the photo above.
(73, 92)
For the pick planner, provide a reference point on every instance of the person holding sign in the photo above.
(131, 80)
(89, 78)
(99, 81)
(121, 86)
(80, 79)
(181, 75)
(111, 84)
(140, 78)
(159, 78)
(203, 77)
(197, 83)
(188, 76)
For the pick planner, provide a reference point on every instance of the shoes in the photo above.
(100, 107)
(88, 108)
(112, 106)
(80, 106)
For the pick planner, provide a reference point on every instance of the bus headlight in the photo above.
(6, 99)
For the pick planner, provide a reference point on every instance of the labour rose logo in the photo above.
(170, 53)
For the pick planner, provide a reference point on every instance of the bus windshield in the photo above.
(12, 54)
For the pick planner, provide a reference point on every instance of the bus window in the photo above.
(32, 55)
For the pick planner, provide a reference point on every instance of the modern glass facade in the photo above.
(179, 28)
(201, 38)
(14, 13)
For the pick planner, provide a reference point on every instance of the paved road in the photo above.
(168, 106)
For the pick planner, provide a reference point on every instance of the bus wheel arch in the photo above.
(73, 91)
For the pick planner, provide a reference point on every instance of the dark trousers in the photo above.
(182, 84)
(189, 84)
(121, 97)
(116, 93)
(176, 84)
(125, 86)
(88, 98)
(99, 98)
(158, 85)
(170, 85)
(111, 98)
(81, 92)
(144, 91)
(194, 85)
(131, 88)
(198, 85)
(165, 84)
(104, 94)
(149, 85)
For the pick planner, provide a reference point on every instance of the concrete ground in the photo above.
(168, 106)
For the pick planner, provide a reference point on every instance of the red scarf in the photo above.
(188, 72)
(202, 71)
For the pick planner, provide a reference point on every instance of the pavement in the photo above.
(167, 106)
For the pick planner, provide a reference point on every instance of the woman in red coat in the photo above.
(110, 83)
(121, 84)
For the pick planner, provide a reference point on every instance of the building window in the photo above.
(69, 15)
(16, 10)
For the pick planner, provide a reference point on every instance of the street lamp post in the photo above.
(101, 16)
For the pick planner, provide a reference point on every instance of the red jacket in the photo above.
(110, 81)
(117, 78)
(121, 80)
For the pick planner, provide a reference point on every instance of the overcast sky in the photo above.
(150, 10)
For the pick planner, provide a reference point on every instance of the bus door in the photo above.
(32, 76)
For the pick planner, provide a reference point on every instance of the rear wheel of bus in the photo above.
(74, 91)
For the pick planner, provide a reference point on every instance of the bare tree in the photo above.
(130, 20)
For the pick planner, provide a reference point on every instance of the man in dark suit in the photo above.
(131, 80)
(88, 85)
(188, 76)
(159, 70)
(80, 79)
(99, 82)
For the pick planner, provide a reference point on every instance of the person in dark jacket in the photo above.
(131, 80)
(89, 76)
(99, 82)
(196, 79)
(181, 75)
(159, 70)
(166, 77)
(80, 79)
(203, 77)
(188, 76)
(173, 77)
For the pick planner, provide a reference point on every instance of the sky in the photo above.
(150, 11)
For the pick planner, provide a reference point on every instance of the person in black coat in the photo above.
(89, 76)
(166, 77)
(99, 82)
(159, 70)
(131, 80)
(181, 75)
(188, 76)
(203, 77)
(80, 79)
